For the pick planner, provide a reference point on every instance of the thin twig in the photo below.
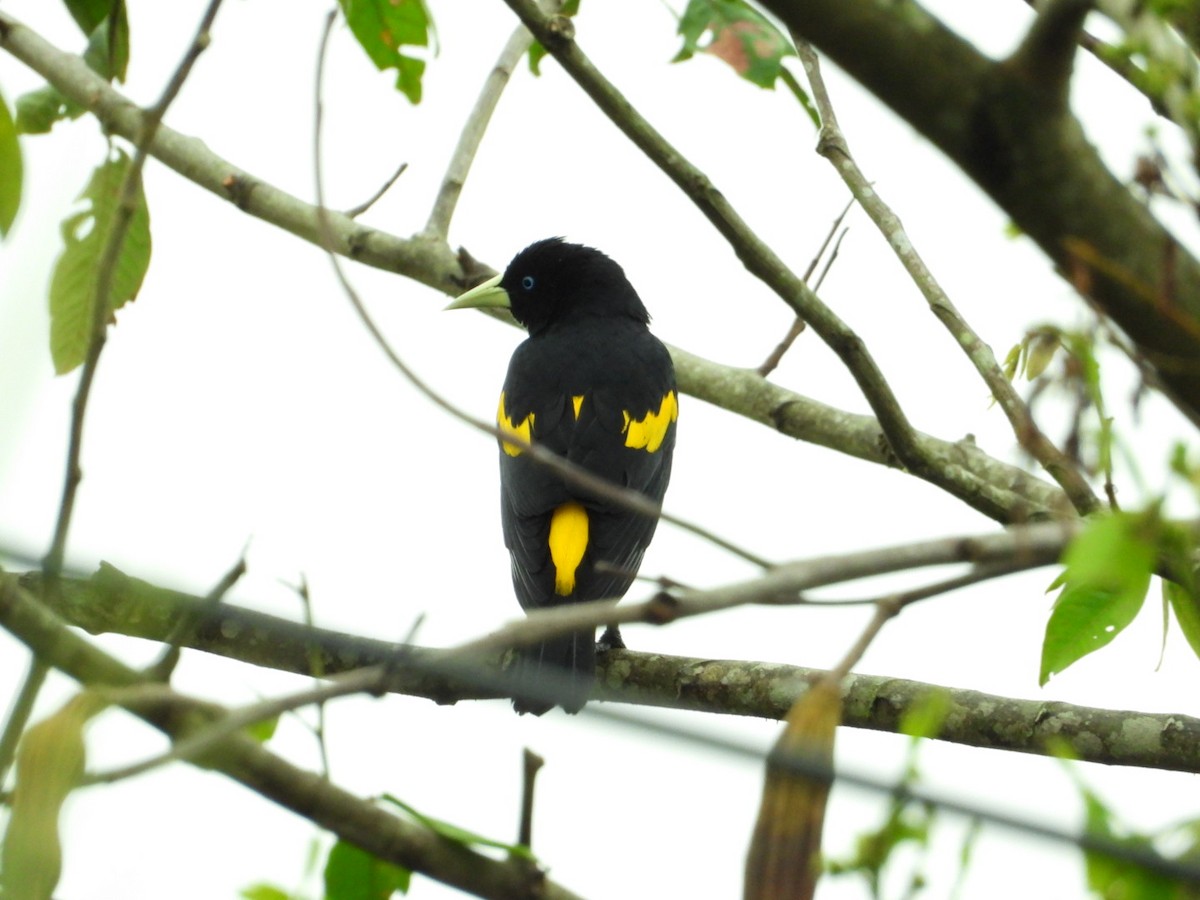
(161, 669)
(834, 147)
(1139, 854)
(573, 474)
(772, 362)
(1014, 550)
(887, 608)
(530, 764)
(798, 326)
(318, 672)
(355, 211)
(18, 715)
(204, 739)
(476, 125)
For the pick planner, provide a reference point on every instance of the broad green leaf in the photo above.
(737, 34)
(264, 891)
(11, 169)
(383, 28)
(1107, 575)
(50, 762)
(39, 110)
(353, 874)
(1113, 551)
(459, 835)
(73, 284)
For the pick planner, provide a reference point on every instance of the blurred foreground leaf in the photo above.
(73, 284)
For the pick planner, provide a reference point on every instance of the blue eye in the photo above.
(527, 282)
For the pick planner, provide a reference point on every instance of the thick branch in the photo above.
(112, 602)
(241, 758)
(1006, 130)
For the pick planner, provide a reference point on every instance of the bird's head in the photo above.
(552, 282)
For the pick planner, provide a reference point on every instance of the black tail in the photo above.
(559, 672)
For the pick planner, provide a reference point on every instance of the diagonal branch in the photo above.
(834, 147)
(438, 225)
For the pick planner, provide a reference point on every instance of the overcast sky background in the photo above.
(239, 400)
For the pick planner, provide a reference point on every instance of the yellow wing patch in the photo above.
(524, 430)
(568, 541)
(648, 432)
(577, 402)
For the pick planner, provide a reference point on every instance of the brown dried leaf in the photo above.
(784, 861)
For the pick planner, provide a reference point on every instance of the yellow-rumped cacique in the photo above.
(592, 384)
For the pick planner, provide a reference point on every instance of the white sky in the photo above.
(239, 399)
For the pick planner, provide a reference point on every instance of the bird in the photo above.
(593, 385)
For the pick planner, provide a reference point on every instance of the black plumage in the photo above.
(592, 384)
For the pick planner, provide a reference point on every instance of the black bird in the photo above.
(592, 384)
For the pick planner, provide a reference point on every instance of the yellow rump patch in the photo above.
(577, 402)
(524, 430)
(568, 541)
(648, 432)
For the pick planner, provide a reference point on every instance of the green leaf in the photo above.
(383, 28)
(107, 55)
(262, 891)
(49, 763)
(1109, 877)
(1186, 606)
(11, 169)
(459, 835)
(1107, 575)
(263, 730)
(73, 284)
(733, 31)
(1043, 345)
(924, 719)
(107, 52)
(353, 874)
(39, 110)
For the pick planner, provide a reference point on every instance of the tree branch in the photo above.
(835, 148)
(113, 602)
(517, 45)
(1032, 157)
(241, 758)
